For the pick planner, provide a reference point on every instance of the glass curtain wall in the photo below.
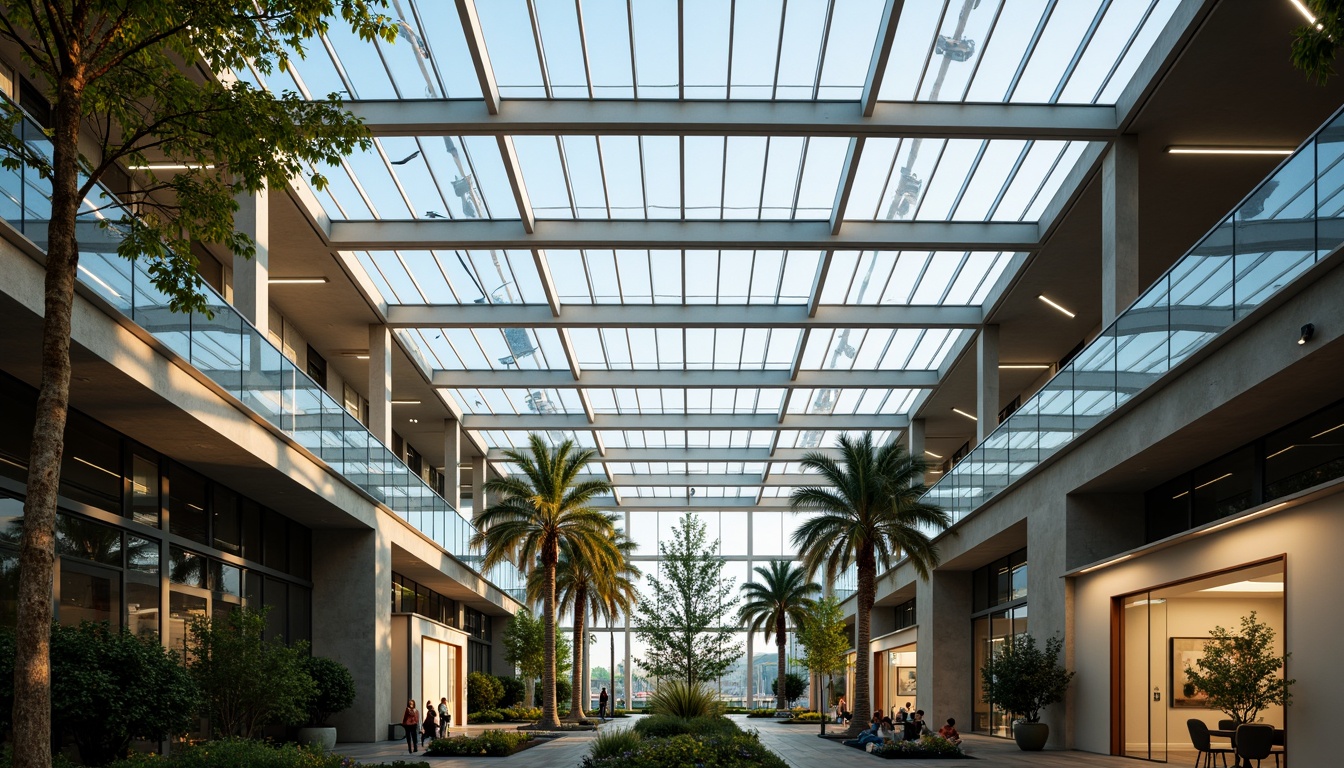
(999, 602)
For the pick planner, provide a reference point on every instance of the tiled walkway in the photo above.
(798, 745)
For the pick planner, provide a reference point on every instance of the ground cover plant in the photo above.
(488, 744)
(926, 748)
(665, 741)
(227, 753)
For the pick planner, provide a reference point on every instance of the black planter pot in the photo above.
(1030, 737)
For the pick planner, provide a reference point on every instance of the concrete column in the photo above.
(1119, 227)
(380, 383)
(478, 501)
(251, 289)
(452, 458)
(945, 674)
(751, 670)
(987, 382)
(629, 670)
(352, 623)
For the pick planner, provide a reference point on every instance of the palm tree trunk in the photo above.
(780, 641)
(576, 702)
(32, 652)
(867, 566)
(548, 716)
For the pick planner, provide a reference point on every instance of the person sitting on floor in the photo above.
(949, 731)
(872, 735)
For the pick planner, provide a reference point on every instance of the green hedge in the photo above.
(228, 753)
(490, 744)
(740, 750)
(928, 747)
(664, 726)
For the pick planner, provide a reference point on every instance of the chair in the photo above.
(1199, 736)
(1255, 742)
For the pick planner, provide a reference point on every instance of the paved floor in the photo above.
(797, 744)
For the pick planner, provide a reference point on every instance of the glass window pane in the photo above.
(87, 540)
(145, 489)
(91, 464)
(89, 595)
(186, 504)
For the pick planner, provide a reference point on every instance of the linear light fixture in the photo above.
(1214, 480)
(1274, 151)
(1024, 366)
(1103, 564)
(405, 402)
(934, 455)
(1305, 12)
(963, 413)
(170, 167)
(1326, 432)
(99, 281)
(1055, 305)
(88, 463)
(316, 280)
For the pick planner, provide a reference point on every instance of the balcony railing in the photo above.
(232, 353)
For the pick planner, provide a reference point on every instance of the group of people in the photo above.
(435, 724)
(904, 723)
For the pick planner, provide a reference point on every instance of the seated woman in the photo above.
(878, 733)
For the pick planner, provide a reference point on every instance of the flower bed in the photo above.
(811, 718)
(741, 750)
(488, 744)
(926, 748)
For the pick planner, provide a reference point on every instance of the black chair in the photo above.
(1254, 742)
(1281, 746)
(1199, 736)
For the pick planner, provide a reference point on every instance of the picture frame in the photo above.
(1185, 652)
(906, 681)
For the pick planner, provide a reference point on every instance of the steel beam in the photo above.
(647, 117)
(697, 421)
(676, 503)
(716, 480)
(473, 234)
(679, 316)
(677, 379)
(659, 455)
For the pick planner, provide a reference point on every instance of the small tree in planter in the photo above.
(334, 691)
(1022, 679)
(1240, 674)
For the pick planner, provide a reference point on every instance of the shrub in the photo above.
(762, 712)
(108, 688)
(736, 751)
(490, 743)
(519, 714)
(563, 689)
(514, 691)
(806, 717)
(615, 744)
(247, 682)
(926, 747)
(1022, 679)
(617, 713)
(335, 689)
(795, 686)
(664, 726)
(228, 753)
(679, 699)
(483, 692)
(485, 716)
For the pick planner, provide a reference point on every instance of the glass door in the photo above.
(1143, 670)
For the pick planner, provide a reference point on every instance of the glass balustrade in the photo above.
(1293, 219)
(229, 351)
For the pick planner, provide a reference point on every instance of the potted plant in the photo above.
(1022, 679)
(334, 691)
(1239, 673)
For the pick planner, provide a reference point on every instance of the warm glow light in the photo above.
(1305, 11)
(99, 281)
(1248, 586)
(1056, 306)
(296, 280)
(1120, 559)
(405, 402)
(95, 466)
(1278, 453)
(1214, 480)
(169, 167)
(1229, 151)
(361, 357)
(1326, 432)
(1024, 366)
(934, 455)
(963, 413)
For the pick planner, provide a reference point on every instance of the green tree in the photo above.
(540, 510)
(1023, 678)
(825, 640)
(782, 595)
(589, 586)
(686, 624)
(1239, 672)
(483, 692)
(111, 688)
(125, 85)
(333, 689)
(794, 687)
(869, 514)
(524, 648)
(247, 682)
(1315, 45)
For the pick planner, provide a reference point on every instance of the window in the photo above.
(87, 540)
(91, 464)
(226, 521)
(145, 488)
(186, 504)
(1002, 581)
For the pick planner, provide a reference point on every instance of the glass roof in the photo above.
(769, 269)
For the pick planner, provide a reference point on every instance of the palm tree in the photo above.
(869, 514)
(538, 513)
(784, 594)
(583, 586)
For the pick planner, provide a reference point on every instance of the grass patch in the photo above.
(488, 744)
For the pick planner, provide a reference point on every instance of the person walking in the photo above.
(410, 721)
(445, 717)
(602, 704)
(431, 724)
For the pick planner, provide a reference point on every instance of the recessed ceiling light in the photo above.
(414, 421)
(361, 357)
(1275, 151)
(1305, 11)
(317, 280)
(934, 455)
(963, 413)
(1024, 366)
(1055, 305)
(405, 402)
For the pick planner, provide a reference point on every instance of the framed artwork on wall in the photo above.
(1185, 652)
(905, 681)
